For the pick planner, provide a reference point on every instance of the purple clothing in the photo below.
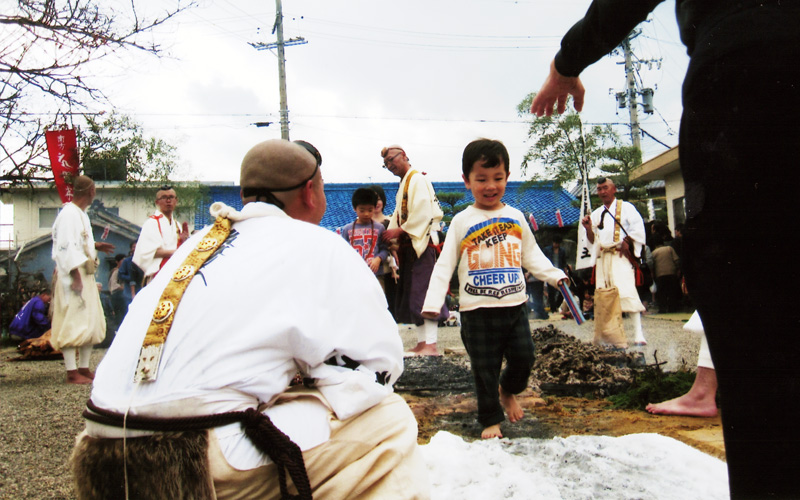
(31, 321)
(415, 275)
(366, 240)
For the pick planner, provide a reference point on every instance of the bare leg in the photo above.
(698, 402)
(511, 405)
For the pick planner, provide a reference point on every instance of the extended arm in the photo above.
(605, 25)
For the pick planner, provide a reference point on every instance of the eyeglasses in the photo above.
(390, 159)
(168, 197)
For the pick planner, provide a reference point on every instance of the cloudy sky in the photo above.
(428, 75)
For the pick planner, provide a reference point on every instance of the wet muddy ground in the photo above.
(569, 382)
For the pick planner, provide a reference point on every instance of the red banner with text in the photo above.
(62, 147)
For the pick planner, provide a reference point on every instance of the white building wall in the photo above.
(134, 207)
(674, 190)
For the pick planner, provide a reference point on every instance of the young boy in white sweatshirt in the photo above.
(491, 243)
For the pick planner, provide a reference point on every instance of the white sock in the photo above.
(431, 327)
(637, 326)
(84, 354)
(69, 358)
(421, 333)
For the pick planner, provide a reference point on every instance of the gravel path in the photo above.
(40, 415)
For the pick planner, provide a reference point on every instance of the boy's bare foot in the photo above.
(86, 373)
(428, 350)
(73, 377)
(684, 405)
(511, 405)
(493, 431)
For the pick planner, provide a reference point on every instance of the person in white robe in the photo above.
(242, 332)
(78, 320)
(161, 234)
(414, 224)
(606, 229)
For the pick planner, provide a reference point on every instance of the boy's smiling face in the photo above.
(488, 185)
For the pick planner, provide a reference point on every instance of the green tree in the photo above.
(563, 145)
(150, 161)
(120, 137)
(620, 164)
(450, 204)
(47, 57)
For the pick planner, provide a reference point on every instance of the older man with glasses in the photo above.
(161, 235)
(414, 224)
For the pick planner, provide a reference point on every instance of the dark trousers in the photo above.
(536, 297)
(489, 335)
(738, 147)
(668, 293)
(554, 298)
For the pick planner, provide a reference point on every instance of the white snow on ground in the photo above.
(637, 466)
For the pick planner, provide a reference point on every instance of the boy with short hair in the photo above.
(491, 243)
(364, 234)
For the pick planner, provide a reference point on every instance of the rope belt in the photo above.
(258, 427)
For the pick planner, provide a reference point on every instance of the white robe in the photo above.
(157, 232)
(424, 212)
(282, 296)
(612, 269)
(78, 320)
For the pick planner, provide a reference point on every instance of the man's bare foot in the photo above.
(700, 401)
(428, 350)
(417, 347)
(73, 377)
(511, 405)
(493, 431)
(86, 373)
(684, 405)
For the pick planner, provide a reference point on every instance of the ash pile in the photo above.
(428, 376)
(565, 366)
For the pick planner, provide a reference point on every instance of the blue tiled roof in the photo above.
(541, 200)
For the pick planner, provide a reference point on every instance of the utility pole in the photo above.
(628, 97)
(631, 91)
(277, 28)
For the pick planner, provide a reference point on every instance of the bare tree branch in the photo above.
(47, 48)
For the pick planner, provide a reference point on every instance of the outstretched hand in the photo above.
(555, 91)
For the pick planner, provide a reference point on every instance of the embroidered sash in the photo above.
(153, 344)
(403, 215)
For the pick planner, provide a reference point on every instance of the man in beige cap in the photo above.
(234, 339)
(414, 224)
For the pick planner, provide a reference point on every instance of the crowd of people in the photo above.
(203, 376)
(257, 421)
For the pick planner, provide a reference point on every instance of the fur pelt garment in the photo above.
(170, 465)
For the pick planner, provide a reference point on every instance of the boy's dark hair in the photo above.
(380, 192)
(490, 151)
(119, 257)
(365, 196)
